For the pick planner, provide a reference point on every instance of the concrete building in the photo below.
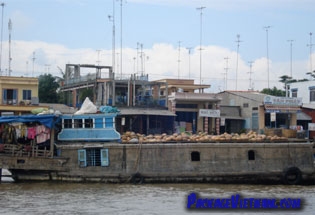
(306, 91)
(18, 94)
(187, 100)
(260, 111)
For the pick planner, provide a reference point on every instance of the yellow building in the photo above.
(18, 94)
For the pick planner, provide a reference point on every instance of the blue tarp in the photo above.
(109, 109)
(47, 120)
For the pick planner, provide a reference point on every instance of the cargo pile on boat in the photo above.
(251, 136)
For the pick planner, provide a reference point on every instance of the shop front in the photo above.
(280, 115)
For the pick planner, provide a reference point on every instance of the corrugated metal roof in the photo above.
(141, 111)
(303, 116)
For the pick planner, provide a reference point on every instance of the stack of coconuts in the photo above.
(251, 136)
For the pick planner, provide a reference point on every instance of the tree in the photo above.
(47, 89)
(274, 91)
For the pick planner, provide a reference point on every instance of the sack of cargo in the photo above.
(87, 107)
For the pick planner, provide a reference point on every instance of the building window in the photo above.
(245, 105)
(9, 96)
(254, 121)
(294, 93)
(195, 156)
(312, 95)
(251, 155)
(255, 108)
(93, 157)
(27, 94)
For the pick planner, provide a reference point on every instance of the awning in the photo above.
(47, 120)
(140, 111)
(282, 109)
(303, 116)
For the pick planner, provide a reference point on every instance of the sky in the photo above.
(229, 44)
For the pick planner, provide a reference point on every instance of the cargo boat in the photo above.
(87, 148)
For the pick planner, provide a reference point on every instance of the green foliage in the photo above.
(274, 92)
(88, 92)
(47, 89)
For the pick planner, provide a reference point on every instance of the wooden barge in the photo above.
(106, 159)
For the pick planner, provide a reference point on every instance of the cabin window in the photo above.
(93, 157)
(88, 123)
(109, 122)
(67, 123)
(78, 123)
(251, 155)
(99, 123)
(195, 156)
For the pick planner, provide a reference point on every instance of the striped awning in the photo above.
(282, 109)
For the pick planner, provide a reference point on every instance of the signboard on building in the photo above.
(273, 100)
(209, 113)
(273, 116)
(311, 126)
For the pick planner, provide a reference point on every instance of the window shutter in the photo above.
(104, 157)
(82, 157)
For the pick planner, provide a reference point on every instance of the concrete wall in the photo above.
(216, 159)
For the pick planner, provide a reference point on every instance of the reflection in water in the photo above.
(98, 198)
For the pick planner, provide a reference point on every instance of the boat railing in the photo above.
(24, 151)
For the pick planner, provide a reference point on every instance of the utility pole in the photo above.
(121, 40)
(189, 52)
(267, 29)
(311, 46)
(200, 9)
(10, 58)
(250, 75)
(291, 41)
(112, 18)
(2, 5)
(226, 72)
(98, 57)
(33, 63)
(178, 59)
(238, 46)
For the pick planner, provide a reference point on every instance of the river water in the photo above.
(99, 198)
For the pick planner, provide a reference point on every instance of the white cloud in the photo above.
(159, 61)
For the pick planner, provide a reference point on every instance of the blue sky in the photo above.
(70, 31)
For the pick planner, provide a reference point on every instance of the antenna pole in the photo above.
(267, 29)
(2, 5)
(10, 58)
(189, 52)
(33, 63)
(311, 46)
(178, 58)
(226, 72)
(238, 46)
(200, 9)
(250, 75)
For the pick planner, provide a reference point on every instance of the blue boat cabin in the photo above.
(88, 127)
